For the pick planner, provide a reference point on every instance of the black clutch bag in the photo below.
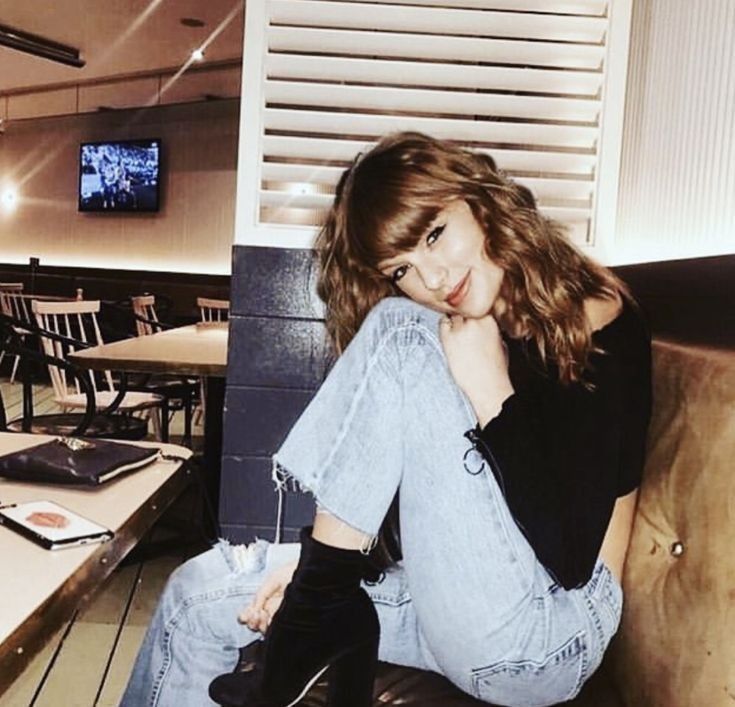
(72, 461)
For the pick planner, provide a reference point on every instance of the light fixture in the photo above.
(197, 55)
(39, 46)
(9, 198)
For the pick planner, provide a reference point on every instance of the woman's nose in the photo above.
(433, 276)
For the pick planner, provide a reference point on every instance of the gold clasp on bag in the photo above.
(74, 443)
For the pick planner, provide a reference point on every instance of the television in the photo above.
(120, 175)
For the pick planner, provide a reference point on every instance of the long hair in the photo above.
(389, 197)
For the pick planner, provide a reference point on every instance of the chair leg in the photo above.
(153, 414)
(163, 412)
(15, 369)
(188, 413)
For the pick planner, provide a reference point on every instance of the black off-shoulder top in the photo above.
(563, 454)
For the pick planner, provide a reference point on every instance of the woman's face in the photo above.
(449, 270)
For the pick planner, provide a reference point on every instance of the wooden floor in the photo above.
(88, 662)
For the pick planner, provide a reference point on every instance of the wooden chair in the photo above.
(76, 322)
(108, 423)
(146, 318)
(210, 310)
(179, 391)
(14, 304)
(213, 310)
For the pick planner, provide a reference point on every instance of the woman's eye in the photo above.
(434, 234)
(398, 273)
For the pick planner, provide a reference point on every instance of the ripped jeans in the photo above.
(469, 601)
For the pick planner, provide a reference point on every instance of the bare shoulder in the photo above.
(602, 310)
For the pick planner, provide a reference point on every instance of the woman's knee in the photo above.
(398, 320)
(398, 311)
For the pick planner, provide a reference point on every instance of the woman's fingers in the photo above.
(257, 615)
(258, 618)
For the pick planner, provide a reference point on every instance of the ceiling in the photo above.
(118, 38)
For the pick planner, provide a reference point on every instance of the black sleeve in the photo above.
(555, 451)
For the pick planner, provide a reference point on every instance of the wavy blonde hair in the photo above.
(387, 200)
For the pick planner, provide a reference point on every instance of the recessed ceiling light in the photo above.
(9, 198)
(192, 22)
(197, 55)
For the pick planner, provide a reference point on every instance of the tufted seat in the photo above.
(676, 645)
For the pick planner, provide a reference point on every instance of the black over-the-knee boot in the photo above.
(325, 622)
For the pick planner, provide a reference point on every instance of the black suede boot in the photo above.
(326, 621)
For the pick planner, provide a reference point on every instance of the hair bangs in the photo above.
(390, 217)
(392, 208)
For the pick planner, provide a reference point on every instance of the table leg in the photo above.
(213, 421)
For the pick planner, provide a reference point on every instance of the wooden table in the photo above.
(39, 589)
(194, 350)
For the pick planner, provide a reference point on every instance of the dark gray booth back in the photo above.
(277, 359)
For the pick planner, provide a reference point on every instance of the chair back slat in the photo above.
(213, 310)
(75, 319)
(7, 299)
(145, 306)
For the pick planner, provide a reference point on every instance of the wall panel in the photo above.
(192, 232)
(678, 164)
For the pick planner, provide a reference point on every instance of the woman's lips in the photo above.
(455, 297)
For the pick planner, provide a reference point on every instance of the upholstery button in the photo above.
(474, 462)
(677, 548)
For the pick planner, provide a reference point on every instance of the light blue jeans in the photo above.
(470, 600)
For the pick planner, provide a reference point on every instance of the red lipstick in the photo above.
(455, 297)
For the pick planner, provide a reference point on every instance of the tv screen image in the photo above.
(122, 175)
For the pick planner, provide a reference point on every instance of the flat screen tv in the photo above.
(120, 175)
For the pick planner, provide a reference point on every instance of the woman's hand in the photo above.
(478, 362)
(258, 614)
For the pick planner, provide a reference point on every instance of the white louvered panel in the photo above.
(317, 200)
(380, 98)
(514, 161)
(509, 77)
(288, 207)
(561, 7)
(418, 46)
(506, 78)
(487, 23)
(296, 174)
(477, 131)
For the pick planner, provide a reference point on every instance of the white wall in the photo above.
(677, 188)
(192, 232)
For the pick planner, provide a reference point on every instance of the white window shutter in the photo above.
(525, 80)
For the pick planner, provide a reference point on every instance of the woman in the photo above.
(503, 394)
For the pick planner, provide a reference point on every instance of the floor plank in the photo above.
(21, 692)
(80, 667)
(110, 604)
(121, 666)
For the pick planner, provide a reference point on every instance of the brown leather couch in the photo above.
(676, 644)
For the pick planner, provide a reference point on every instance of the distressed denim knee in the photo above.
(395, 320)
(191, 598)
